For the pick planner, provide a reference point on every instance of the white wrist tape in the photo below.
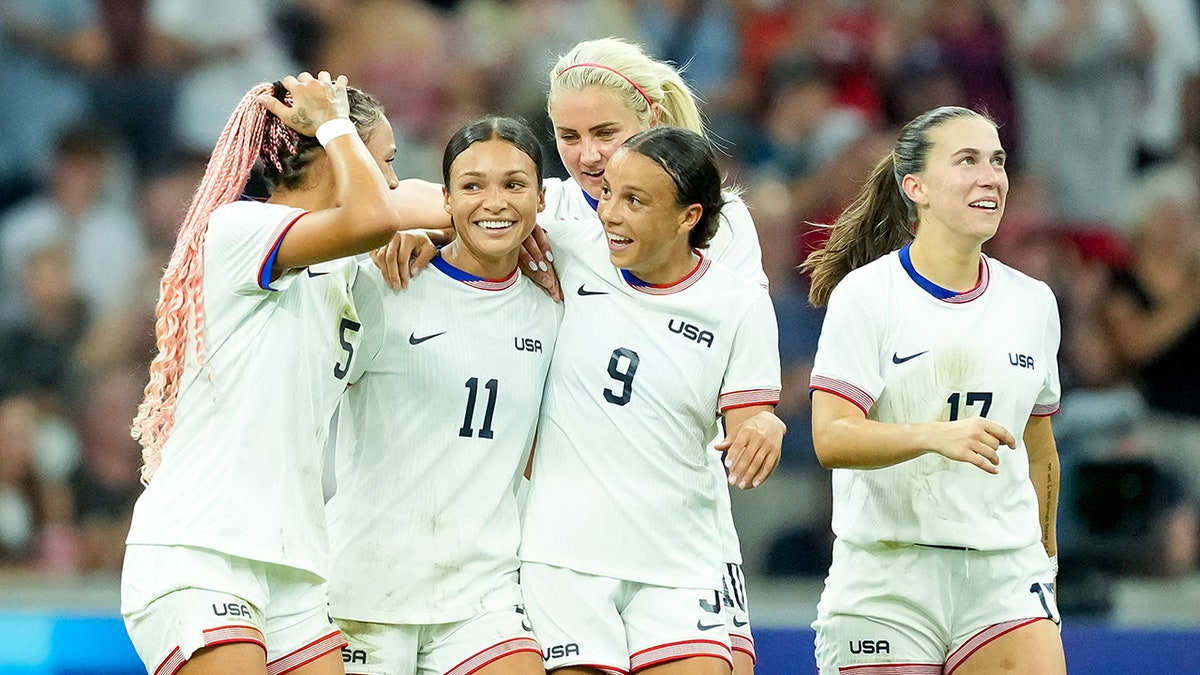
(331, 129)
(1054, 565)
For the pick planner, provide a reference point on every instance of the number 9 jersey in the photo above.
(905, 350)
(621, 485)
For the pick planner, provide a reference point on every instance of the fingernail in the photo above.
(549, 256)
(742, 485)
(732, 479)
(544, 266)
(532, 266)
(728, 463)
(757, 483)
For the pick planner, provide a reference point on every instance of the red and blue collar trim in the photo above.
(472, 280)
(667, 289)
(945, 294)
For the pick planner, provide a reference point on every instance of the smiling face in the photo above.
(647, 230)
(961, 191)
(493, 200)
(589, 125)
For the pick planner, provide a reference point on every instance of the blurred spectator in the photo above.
(804, 127)
(1152, 315)
(694, 35)
(95, 225)
(124, 339)
(20, 515)
(1077, 76)
(37, 451)
(221, 48)
(135, 90)
(46, 46)
(36, 354)
(973, 45)
(106, 483)
(1170, 121)
(396, 49)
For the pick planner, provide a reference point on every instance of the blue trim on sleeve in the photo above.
(264, 280)
(594, 203)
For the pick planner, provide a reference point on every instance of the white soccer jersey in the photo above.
(622, 486)
(433, 439)
(735, 245)
(241, 470)
(904, 350)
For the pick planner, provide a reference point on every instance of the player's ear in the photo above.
(689, 217)
(915, 189)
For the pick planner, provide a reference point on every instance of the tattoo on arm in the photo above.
(1049, 505)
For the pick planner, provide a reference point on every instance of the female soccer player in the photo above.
(224, 570)
(602, 92)
(621, 556)
(934, 380)
(434, 436)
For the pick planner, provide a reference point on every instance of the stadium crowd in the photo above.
(113, 104)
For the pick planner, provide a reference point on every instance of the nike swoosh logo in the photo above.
(414, 340)
(897, 359)
(703, 626)
(739, 624)
(316, 274)
(585, 292)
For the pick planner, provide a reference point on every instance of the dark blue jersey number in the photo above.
(624, 375)
(472, 385)
(973, 398)
(340, 370)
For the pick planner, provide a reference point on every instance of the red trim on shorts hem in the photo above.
(723, 652)
(237, 633)
(515, 647)
(1005, 627)
(280, 665)
(743, 644)
(174, 660)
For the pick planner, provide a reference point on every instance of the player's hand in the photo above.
(315, 100)
(535, 261)
(753, 449)
(404, 257)
(975, 440)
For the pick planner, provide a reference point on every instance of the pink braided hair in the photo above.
(180, 311)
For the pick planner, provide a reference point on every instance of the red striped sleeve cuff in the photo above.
(748, 397)
(851, 393)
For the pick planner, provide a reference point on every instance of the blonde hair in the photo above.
(635, 77)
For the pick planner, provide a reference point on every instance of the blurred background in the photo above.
(109, 108)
